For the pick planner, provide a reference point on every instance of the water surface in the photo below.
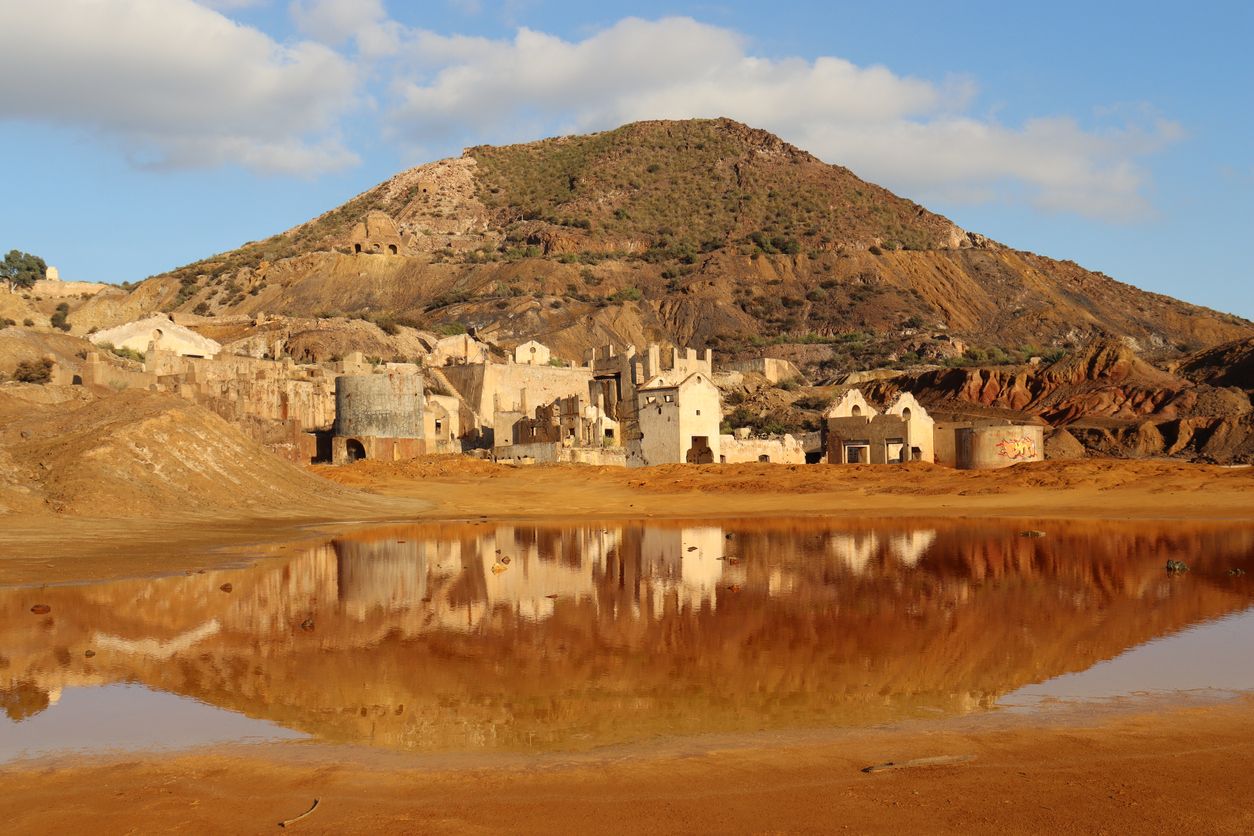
(507, 637)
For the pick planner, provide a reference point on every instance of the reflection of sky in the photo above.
(129, 717)
(1213, 656)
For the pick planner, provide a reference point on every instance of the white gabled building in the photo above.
(678, 422)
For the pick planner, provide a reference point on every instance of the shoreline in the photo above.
(63, 549)
(1159, 768)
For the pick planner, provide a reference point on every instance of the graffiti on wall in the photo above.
(1017, 449)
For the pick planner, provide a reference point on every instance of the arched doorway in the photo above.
(700, 452)
(354, 450)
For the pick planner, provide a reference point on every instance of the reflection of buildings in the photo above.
(483, 636)
(686, 563)
(854, 550)
(910, 546)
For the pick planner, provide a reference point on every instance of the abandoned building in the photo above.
(157, 333)
(532, 353)
(858, 433)
(376, 234)
(741, 446)
(677, 421)
(378, 416)
(988, 444)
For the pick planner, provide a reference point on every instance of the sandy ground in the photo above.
(1166, 771)
(1091, 489)
(1175, 771)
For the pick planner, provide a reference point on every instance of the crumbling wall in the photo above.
(780, 450)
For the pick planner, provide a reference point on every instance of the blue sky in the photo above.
(139, 135)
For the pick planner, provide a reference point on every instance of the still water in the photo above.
(512, 637)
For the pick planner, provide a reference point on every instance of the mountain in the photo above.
(701, 232)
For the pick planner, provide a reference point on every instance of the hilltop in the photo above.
(700, 232)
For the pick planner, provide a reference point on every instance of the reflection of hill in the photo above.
(453, 637)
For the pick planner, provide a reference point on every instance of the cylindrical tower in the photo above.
(379, 405)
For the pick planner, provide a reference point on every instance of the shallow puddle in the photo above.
(506, 637)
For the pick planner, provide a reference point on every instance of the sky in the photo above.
(140, 135)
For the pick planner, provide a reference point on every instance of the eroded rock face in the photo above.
(1112, 401)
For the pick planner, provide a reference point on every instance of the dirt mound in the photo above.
(20, 344)
(1106, 360)
(1061, 444)
(369, 471)
(140, 453)
(1229, 364)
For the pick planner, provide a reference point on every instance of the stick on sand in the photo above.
(301, 816)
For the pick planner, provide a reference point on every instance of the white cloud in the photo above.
(229, 5)
(912, 134)
(335, 22)
(176, 84)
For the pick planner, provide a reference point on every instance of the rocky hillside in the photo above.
(703, 232)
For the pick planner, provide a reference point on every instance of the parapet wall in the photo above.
(785, 450)
(774, 370)
(553, 453)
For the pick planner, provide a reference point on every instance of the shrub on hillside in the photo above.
(33, 371)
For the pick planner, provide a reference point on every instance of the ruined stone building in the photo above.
(376, 234)
(988, 444)
(740, 446)
(532, 353)
(858, 433)
(676, 421)
(636, 409)
(157, 332)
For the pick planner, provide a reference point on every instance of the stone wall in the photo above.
(487, 387)
(785, 450)
(773, 369)
(553, 453)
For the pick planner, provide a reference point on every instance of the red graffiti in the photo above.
(1017, 449)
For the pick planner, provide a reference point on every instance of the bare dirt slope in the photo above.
(139, 454)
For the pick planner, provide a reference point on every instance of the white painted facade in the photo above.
(678, 422)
